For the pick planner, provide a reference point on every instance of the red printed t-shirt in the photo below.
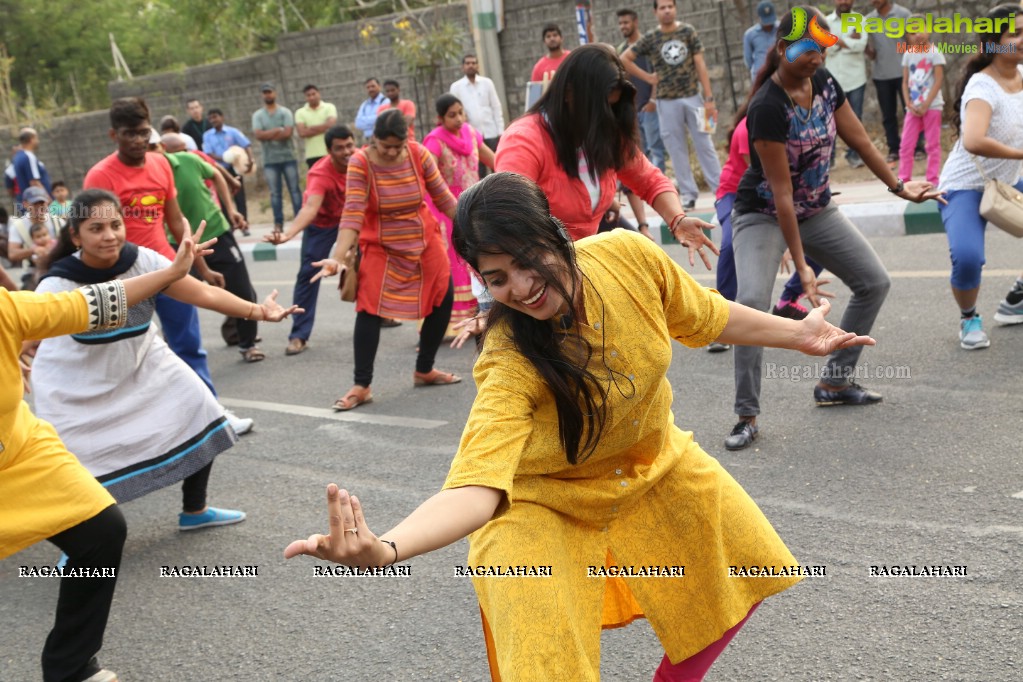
(736, 165)
(324, 180)
(407, 107)
(143, 191)
(527, 149)
(547, 65)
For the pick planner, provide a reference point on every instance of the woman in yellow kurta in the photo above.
(45, 493)
(571, 460)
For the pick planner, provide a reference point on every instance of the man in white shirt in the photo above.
(480, 101)
(848, 64)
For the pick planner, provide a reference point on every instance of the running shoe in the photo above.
(971, 334)
(790, 309)
(1010, 309)
(715, 347)
(210, 518)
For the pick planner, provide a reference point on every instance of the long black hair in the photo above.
(980, 60)
(506, 213)
(391, 123)
(445, 102)
(606, 133)
(82, 208)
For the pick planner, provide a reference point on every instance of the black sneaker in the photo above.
(790, 309)
(689, 205)
(1010, 309)
(715, 347)
(853, 394)
(742, 435)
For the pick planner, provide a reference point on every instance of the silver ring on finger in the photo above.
(354, 531)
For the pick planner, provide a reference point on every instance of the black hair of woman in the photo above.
(81, 208)
(445, 102)
(391, 123)
(578, 114)
(506, 213)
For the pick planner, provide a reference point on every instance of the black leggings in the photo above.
(367, 338)
(227, 259)
(84, 603)
(193, 490)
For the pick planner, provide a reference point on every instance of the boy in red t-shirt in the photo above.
(322, 205)
(549, 63)
(144, 184)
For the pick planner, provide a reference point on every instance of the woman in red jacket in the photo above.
(579, 139)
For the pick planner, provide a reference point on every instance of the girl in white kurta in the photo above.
(169, 425)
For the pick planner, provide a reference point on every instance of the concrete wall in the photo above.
(338, 60)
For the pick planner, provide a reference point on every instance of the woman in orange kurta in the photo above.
(404, 272)
(45, 493)
(571, 465)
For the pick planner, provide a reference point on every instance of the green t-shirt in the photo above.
(194, 198)
(315, 147)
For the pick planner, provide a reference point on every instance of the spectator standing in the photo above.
(61, 199)
(887, 73)
(217, 139)
(312, 120)
(197, 124)
(169, 124)
(28, 169)
(392, 90)
(20, 244)
(760, 38)
(322, 206)
(675, 50)
(923, 70)
(482, 105)
(646, 105)
(847, 62)
(273, 126)
(546, 66)
(366, 116)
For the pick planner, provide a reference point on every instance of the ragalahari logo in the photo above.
(818, 40)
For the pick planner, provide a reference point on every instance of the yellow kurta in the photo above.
(43, 489)
(648, 495)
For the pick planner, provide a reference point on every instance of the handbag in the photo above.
(1001, 205)
(349, 284)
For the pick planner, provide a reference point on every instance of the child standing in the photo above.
(923, 69)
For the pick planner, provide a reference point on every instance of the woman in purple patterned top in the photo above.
(784, 201)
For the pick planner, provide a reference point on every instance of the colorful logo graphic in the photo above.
(818, 40)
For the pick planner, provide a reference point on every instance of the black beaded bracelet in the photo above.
(394, 547)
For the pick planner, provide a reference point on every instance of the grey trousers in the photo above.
(834, 242)
(675, 117)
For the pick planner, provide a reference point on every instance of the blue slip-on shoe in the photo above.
(209, 518)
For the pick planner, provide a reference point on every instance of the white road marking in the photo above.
(321, 413)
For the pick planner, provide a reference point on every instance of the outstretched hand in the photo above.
(274, 312)
(820, 337)
(350, 541)
(190, 249)
(919, 191)
(467, 329)
(689, 231)
(328, 268)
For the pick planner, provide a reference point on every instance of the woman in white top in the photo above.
(988, 121)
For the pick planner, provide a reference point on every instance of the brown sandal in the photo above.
(253, 355)
(435, 378)
(357, 395)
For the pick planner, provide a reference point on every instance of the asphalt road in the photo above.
(931, 476)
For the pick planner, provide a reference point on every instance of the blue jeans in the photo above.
(273, 172)
(965, 231)
(317, 243)
(650, 138)
(180, 324)
(855, 99)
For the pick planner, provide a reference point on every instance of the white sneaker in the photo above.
(240, 426)
(102, 676)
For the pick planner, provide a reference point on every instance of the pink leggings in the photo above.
(696, 666)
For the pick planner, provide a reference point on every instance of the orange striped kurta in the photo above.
(404, 273)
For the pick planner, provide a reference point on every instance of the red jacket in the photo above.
(526, 148)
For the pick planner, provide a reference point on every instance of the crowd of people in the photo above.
(504, 234)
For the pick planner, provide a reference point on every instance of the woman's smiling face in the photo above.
(522, 288)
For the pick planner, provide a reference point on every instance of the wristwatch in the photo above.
(898, 188)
